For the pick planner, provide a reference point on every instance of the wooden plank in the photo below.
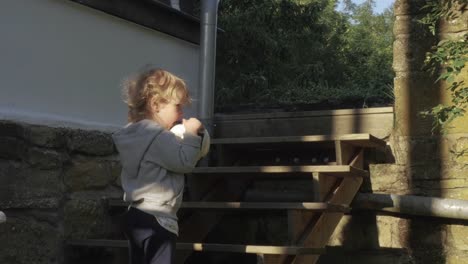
(297, 124)
(256, 195)
(333, 170)
(332, 190)
(315, 206)
(344, 152)
(327, 223)
(312, 206)
(358, 160)
(285, 139)
(300, 221)
(327, 186)
(345, 112)
(276, 250)
(225, 190)
(316, 186)
(364, 140)
(248, 249)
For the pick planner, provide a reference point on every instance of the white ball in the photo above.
(2, 217)
(179, 131)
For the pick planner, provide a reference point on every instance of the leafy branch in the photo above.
(447, 59)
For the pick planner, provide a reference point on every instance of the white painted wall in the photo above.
(62, 63)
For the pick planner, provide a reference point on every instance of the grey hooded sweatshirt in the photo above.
(153, 163)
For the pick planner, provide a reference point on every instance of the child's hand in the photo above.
(193, 126)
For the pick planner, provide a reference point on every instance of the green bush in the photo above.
(276, 53)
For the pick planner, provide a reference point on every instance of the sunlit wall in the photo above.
(63, 63)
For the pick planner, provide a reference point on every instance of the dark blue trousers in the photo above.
(149, 242)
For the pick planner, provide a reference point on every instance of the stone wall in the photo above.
(53, 182)
(426, 161)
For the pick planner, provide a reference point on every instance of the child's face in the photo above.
(169, 113)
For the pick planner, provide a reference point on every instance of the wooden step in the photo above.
(248, 249)
(361, 140)
(319, 207)
(259, 195)
(332, 170)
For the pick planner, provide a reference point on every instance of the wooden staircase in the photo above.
(219, 189)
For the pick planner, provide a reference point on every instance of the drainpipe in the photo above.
(207, 60)
(412, 205)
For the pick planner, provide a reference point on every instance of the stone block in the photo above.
(115, 171)
(90, 142)
(368, 231)
(457, 237)
(44, 136)
(408, 7)
(410, 26)
(366, 257)
(24, 187)
(12, 148)
(388, 178)
(392, 231)
(460, 151)
(356, 232)
(430, 172)
(86, 173)
(414, 93)
(425, 150)
(420, 238)
(457, 23)
(413, 240)
(460, 193)
(456, 257)
(409, 52)
(85, 216)
(46, 158)
(25, 240)
(11, 129)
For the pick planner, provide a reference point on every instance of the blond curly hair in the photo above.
(151, 83)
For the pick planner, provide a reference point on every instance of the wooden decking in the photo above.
(310, 223)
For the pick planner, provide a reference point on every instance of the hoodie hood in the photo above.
(133, 141)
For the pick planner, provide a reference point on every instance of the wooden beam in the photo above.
(344, 152)
(327, 223)
(308, 206)
(334, 191)
(248, 249)
(332, 170)
(363, 140)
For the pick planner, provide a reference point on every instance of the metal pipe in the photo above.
(400, 204)
(412, 205)
(207, 60)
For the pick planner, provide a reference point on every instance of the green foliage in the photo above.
(439, 9)
(447, 59)
(276, 52)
